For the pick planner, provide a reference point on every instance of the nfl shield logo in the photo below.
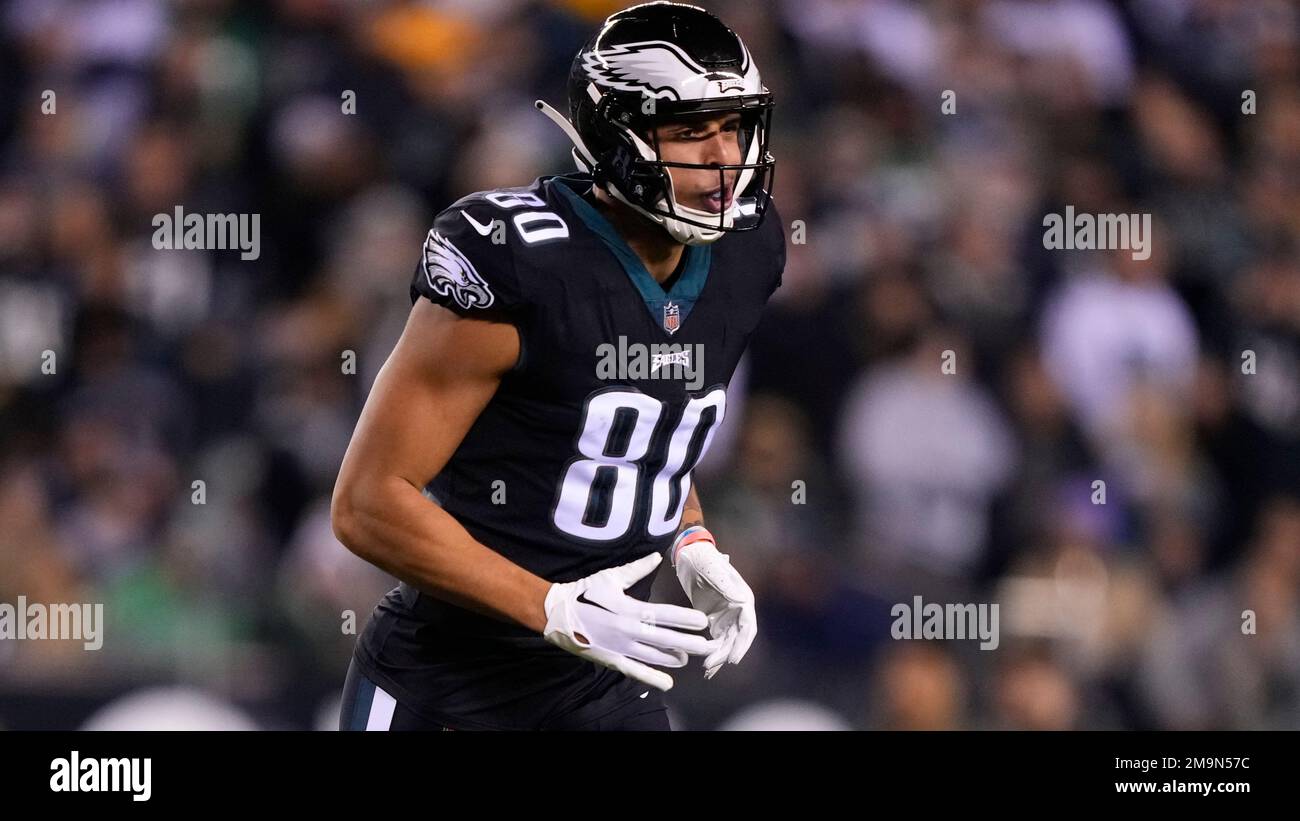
(672, 316)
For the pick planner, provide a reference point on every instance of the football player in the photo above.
(561, 481)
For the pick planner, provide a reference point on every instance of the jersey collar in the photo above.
(680, 300)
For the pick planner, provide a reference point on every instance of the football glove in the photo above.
(716, 589)
(595, 619)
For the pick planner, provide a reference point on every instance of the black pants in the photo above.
(367, 706)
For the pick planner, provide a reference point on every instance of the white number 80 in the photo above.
(598, 420)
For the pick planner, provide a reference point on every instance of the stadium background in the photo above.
(923, 235)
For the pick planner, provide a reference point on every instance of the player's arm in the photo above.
(692, 515)
(443, 371)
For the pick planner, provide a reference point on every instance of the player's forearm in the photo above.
(692, 514)
(394, 527)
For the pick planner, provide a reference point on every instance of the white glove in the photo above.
(715, 588)
(595, 619)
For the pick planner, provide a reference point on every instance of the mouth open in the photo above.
(718, 200)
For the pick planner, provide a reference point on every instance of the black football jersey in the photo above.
(582, 459)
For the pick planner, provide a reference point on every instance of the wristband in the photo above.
(692, 534)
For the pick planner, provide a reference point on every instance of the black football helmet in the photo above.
(656, 63)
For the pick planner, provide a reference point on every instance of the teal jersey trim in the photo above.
(684, 293)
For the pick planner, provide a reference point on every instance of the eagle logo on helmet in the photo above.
(449, 273)
(662, 70)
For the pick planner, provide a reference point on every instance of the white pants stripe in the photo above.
(381, 710)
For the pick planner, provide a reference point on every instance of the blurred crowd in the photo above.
(1112, 454)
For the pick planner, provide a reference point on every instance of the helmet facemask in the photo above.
(636, 174)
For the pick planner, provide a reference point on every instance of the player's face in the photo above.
(710, 139)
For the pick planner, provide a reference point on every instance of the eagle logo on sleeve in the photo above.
(450, 273)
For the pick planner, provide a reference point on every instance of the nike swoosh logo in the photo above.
(643, 695)
(483, 230)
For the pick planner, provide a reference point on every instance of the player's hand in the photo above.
(595, 619)
(716, 589)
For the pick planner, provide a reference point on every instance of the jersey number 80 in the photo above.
(601, 488)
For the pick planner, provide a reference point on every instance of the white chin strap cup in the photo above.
(683, 232)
